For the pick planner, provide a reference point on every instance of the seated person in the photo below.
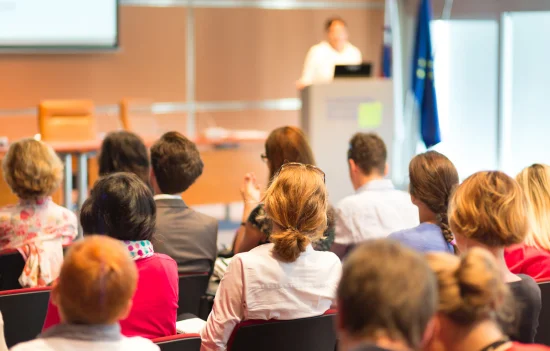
(433, 178)
(35, 226)
(472, 297)
(532, 256)
(285, 279)
(489, 210)
(93, 293)
(386, 299)
(121, 206)
(189, 237)
(3, 346)
(285, 144)
(124, 151)
(377, 209)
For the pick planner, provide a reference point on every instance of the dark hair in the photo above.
(368, 151)
(287, 144)
(433, 178)
(388, 289)
(329, 22)
(176, 163)
(124, 152)
(120, 206)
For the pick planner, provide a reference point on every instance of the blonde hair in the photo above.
(471, 287)
(535, 182)
(32, 169)
(489, 207)
(97, 281)
(296, 202)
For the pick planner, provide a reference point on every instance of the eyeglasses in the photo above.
(263, 157)
(297, 164)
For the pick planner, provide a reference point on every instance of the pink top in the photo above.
(155, 303)
(523, 259)
(532, 347)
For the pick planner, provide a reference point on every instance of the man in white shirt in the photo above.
(377, 209)
(335, 50)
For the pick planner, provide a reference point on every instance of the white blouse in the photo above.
(258, 286)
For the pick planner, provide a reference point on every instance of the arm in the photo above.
(3, 346)
(343, 236)
(250, 192)
(308, 70)
(228, 309)
(250, 238)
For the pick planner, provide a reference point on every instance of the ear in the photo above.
(352, 165)
(126, 312)
(386, 170)
(414, 200)
(431, 334)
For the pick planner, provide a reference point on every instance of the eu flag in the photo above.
(423, 77)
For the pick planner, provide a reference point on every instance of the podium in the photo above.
(332, 113)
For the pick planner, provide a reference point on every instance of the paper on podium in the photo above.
(190, 326)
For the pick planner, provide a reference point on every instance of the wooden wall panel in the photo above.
(149, 64)
(255, 54)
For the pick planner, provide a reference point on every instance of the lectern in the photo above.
(333, 112)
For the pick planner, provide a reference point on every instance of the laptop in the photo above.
(353, 71)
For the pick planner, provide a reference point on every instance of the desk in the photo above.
(225, 163)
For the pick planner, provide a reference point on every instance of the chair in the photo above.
(192, 286)
(24, 311)
(67, 120)
(11, 267)
(543, 331)
(314, 333)
(137, 116)
(180, 342)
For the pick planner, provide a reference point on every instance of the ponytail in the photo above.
(443, 223)
(289, 244)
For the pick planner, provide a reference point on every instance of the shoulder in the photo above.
(354, 49)
(319, 48)
(64, 212)
(37, 344)
(533, 347)
(138, 343)
(159, 262)
(206, 219)
(328, 258)
(526, 290)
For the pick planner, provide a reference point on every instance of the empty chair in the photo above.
(543, 330)
(192, 287)
(180, 342)
(67, 120)
(24, 311)
(314, 333)
(11, 266)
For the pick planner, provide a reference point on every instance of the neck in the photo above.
(347, 344)
(474, 338)
(426, 216)
(364, 179)
(498, 252)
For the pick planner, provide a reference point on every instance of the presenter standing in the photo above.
(322, 57)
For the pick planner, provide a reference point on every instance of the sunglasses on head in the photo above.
(302, 165)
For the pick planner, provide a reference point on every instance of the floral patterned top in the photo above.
(38, 229)
(259, 220)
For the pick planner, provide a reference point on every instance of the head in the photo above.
(120, 206)
(367, 157)
(535, 182)
(337, 33)
(488, 209)
(296, 203)
(471, 290)
(387, 292)
(97, 282)
(433, 178)
(287, 144)
(32, 169)
(124, 152)
(176, 164)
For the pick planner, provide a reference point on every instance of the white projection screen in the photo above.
(58, 24)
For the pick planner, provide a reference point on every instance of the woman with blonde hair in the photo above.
(489, 210)
(286, 279)
(35, 226)
(532, 257)
(473, 298)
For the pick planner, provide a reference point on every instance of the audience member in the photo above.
(285, 144)
(532, 257)
(489, 210)
(377, 209)
(124, 152)
(472, 297)
(386, 298)
(121, 206)
(286, 279)
(189, 237)
(35, 226)
(3, 346)
(433, 177)
(94, 292)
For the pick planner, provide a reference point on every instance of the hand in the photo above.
(250, 190)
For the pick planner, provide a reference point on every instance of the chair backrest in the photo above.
(11, 267)
(543, 331)
(137, 116)
(192, 287)
(180, 342)
(67, 120)
(24, 311)
(314, 333)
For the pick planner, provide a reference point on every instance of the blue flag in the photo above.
(387, 55)
(423, 77)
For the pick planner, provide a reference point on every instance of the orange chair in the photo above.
(142, 120)
(67, 120)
